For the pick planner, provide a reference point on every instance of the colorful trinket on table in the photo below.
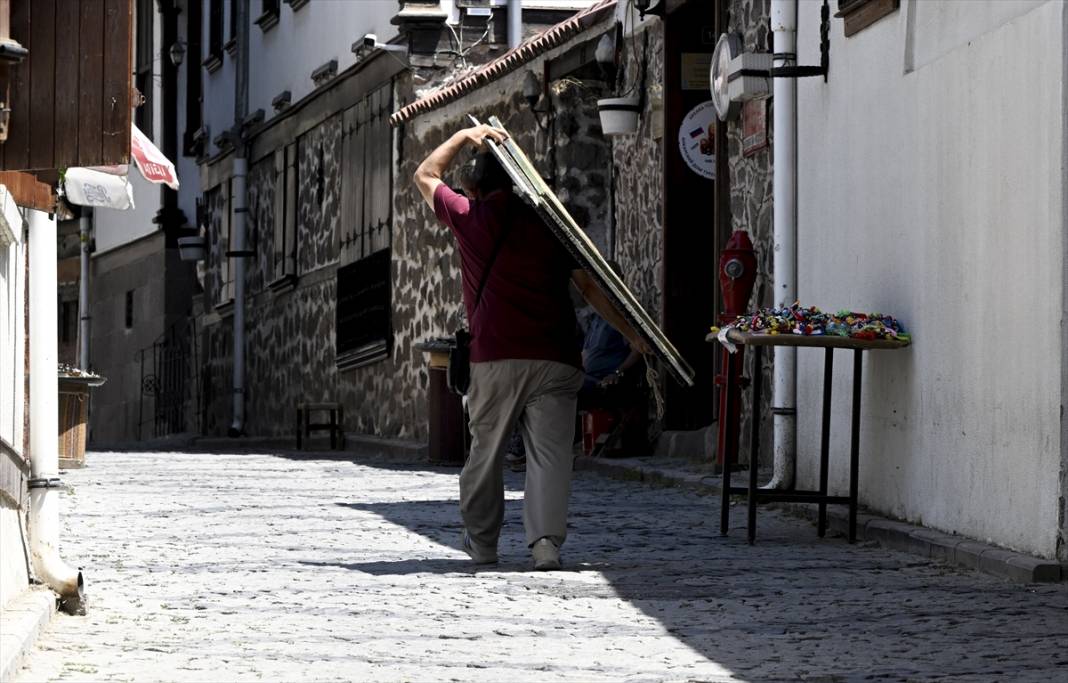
(813, 322)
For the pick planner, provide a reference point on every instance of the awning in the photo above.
(109, 186)
(155, 167)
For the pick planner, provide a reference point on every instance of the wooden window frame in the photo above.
(857, 15)
(366, 219)
(284, 256)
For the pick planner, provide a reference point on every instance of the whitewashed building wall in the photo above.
(931, 186)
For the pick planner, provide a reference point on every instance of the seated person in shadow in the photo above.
(615, 381)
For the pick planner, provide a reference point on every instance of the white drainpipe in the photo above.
(240, 199)
(83, 290)
(515, 22)
(45, 485)
(784, 188)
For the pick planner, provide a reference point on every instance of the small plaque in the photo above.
(754, 126)
(695, 67)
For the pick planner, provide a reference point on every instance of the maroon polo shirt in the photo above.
(526, 310)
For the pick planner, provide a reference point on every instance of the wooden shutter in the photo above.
(70, 97)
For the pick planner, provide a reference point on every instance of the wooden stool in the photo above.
(335, 426)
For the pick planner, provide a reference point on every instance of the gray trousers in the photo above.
(539, 396)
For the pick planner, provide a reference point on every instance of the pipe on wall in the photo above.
(784, 193)
(237, 247)
(84, 223)
(44, 484)
(515, 23)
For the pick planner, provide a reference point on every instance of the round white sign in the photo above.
(697, 140)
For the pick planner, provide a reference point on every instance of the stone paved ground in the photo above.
(256, 567)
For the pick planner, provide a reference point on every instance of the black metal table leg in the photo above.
(728, 450)
(757, 381)
(828, 366)
(854, 446)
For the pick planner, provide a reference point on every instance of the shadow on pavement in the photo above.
(791, 607)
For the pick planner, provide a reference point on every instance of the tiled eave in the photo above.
(515, 58)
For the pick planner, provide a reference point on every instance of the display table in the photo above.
(755, 495)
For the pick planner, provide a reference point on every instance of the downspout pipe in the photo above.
(44, 484)
(83, 288)
(515, 23)
(238, 250)
(237, 247)
(784, 192)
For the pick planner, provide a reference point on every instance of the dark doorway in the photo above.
(690, 287)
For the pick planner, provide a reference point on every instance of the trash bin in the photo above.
(447, 425)
(74, 385)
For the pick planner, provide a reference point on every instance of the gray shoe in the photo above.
(546, 554)
(479, 555)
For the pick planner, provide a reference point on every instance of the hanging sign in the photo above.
(155, 167)
(697, 140)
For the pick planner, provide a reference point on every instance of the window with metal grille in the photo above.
(364, 330)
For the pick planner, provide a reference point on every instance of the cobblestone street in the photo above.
(256, 567)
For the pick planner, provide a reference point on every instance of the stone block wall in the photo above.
(752, 210)
(638, 182)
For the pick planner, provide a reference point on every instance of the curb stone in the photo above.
(21, 622)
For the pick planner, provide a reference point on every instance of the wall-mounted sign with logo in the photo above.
(697, 140)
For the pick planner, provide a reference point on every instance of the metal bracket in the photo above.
(46, 483)
(825, 53)
(783, 411)
(240, 253)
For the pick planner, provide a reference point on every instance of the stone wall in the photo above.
(751, 210)
(291, 334)
(638, 180)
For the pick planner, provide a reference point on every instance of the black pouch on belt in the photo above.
(458, 374)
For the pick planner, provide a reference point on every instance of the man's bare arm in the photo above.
(428, 175)
(590, 290)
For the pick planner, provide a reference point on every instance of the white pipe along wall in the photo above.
(784, 193)
(515, 23)
(44, 484)
(240, 200)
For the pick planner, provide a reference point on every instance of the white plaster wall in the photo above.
(14, 570)
(113, 228)
(284, 57)
(218, 87)
(936, 195)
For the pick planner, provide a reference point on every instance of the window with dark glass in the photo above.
(215, 35)
(268, 18)
(143, 66)
(231, 43)
(194, 83)
(129, 309)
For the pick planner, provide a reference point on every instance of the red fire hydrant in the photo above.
(737, 275)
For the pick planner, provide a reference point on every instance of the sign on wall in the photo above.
(695, 67)
(697, 140)
(754, 126)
